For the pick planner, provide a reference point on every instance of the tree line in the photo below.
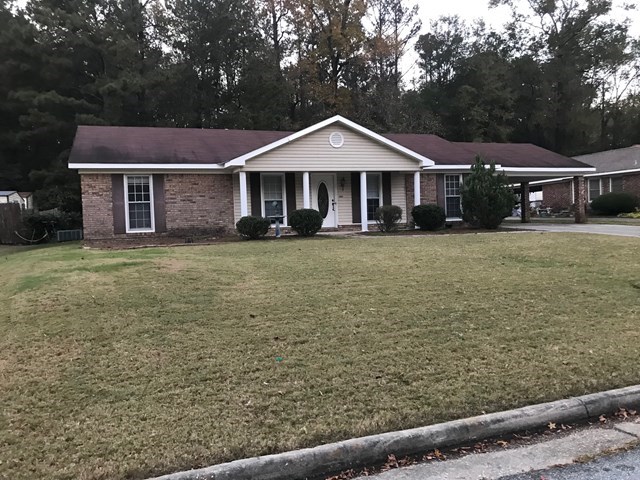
(561, 74)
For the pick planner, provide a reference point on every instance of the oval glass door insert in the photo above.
(323, 200)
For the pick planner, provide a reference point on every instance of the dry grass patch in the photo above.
(124, 364)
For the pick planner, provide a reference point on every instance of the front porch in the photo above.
(343, 198)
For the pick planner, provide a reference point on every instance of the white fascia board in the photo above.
(550, 170)
(145, 166)
(589, 175)
(617, 172)
(240, 161)
(551, 180)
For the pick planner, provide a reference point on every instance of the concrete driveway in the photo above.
(618, 230)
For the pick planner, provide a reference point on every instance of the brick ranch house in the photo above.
(616, 171)
(172, 181)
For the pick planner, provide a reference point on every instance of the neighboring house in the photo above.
(616, 171)
(10, 196)
(25, 199)
(150, 181)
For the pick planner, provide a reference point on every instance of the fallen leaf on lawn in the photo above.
(502, 443)
(602, 419)
(551, 426)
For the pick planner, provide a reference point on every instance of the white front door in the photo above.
(323, 197)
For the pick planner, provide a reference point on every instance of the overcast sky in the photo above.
(495, 17)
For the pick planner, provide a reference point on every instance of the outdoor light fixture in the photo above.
(342, 182)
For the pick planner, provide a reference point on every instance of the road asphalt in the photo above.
(541, 460)
(617, 230)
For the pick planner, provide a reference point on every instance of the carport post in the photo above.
(525, 209)
(580, 214)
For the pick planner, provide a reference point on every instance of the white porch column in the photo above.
(363, 201)
(416, 189)
(306, 196)
(244, 206)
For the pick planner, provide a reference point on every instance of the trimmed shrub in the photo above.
(428, 217)
(253, 228)
(486, 196)
(614, 203)
(388, 218)
(306, 222)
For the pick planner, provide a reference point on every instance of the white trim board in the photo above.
(146, 166)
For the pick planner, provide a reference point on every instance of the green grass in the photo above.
(125, 364)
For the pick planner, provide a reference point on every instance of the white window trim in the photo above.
(461, 179)
(285, 213)
(126, 206)
(589, 187)
(380, 195)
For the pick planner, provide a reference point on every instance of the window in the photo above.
(273, 195)
(452, 185)
(373, 194)
(139, 199)
(595, 188)
(616, 184)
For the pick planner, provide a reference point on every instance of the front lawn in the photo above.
(126, 364)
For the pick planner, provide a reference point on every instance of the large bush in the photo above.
(486, 196)
(428, 217)
(388, 218)
(306, 222)
(253, 228)
(43, 226)
(614, 203)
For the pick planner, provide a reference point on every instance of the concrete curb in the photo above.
(374, 449)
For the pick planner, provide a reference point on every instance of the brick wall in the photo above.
(97, 206)
(557, 195)
(195, 204)
(198, 203)
(427, 190)
(631, 184)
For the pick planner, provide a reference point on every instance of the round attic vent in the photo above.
(336, 140)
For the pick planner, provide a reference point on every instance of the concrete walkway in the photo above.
(502, 464)
(617, 230)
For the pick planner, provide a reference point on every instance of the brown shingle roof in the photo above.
(97, 144)
(137, 145)
(520, 155)
(433, 147)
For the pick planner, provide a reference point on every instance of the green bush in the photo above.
(614, 203)
(306, 222)
(253, 228)
(44, 225)
(428, 217)
(486, 196)
(388, 218)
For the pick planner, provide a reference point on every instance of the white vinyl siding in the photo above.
(314, 153)
(399, 193)
(343, 191)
